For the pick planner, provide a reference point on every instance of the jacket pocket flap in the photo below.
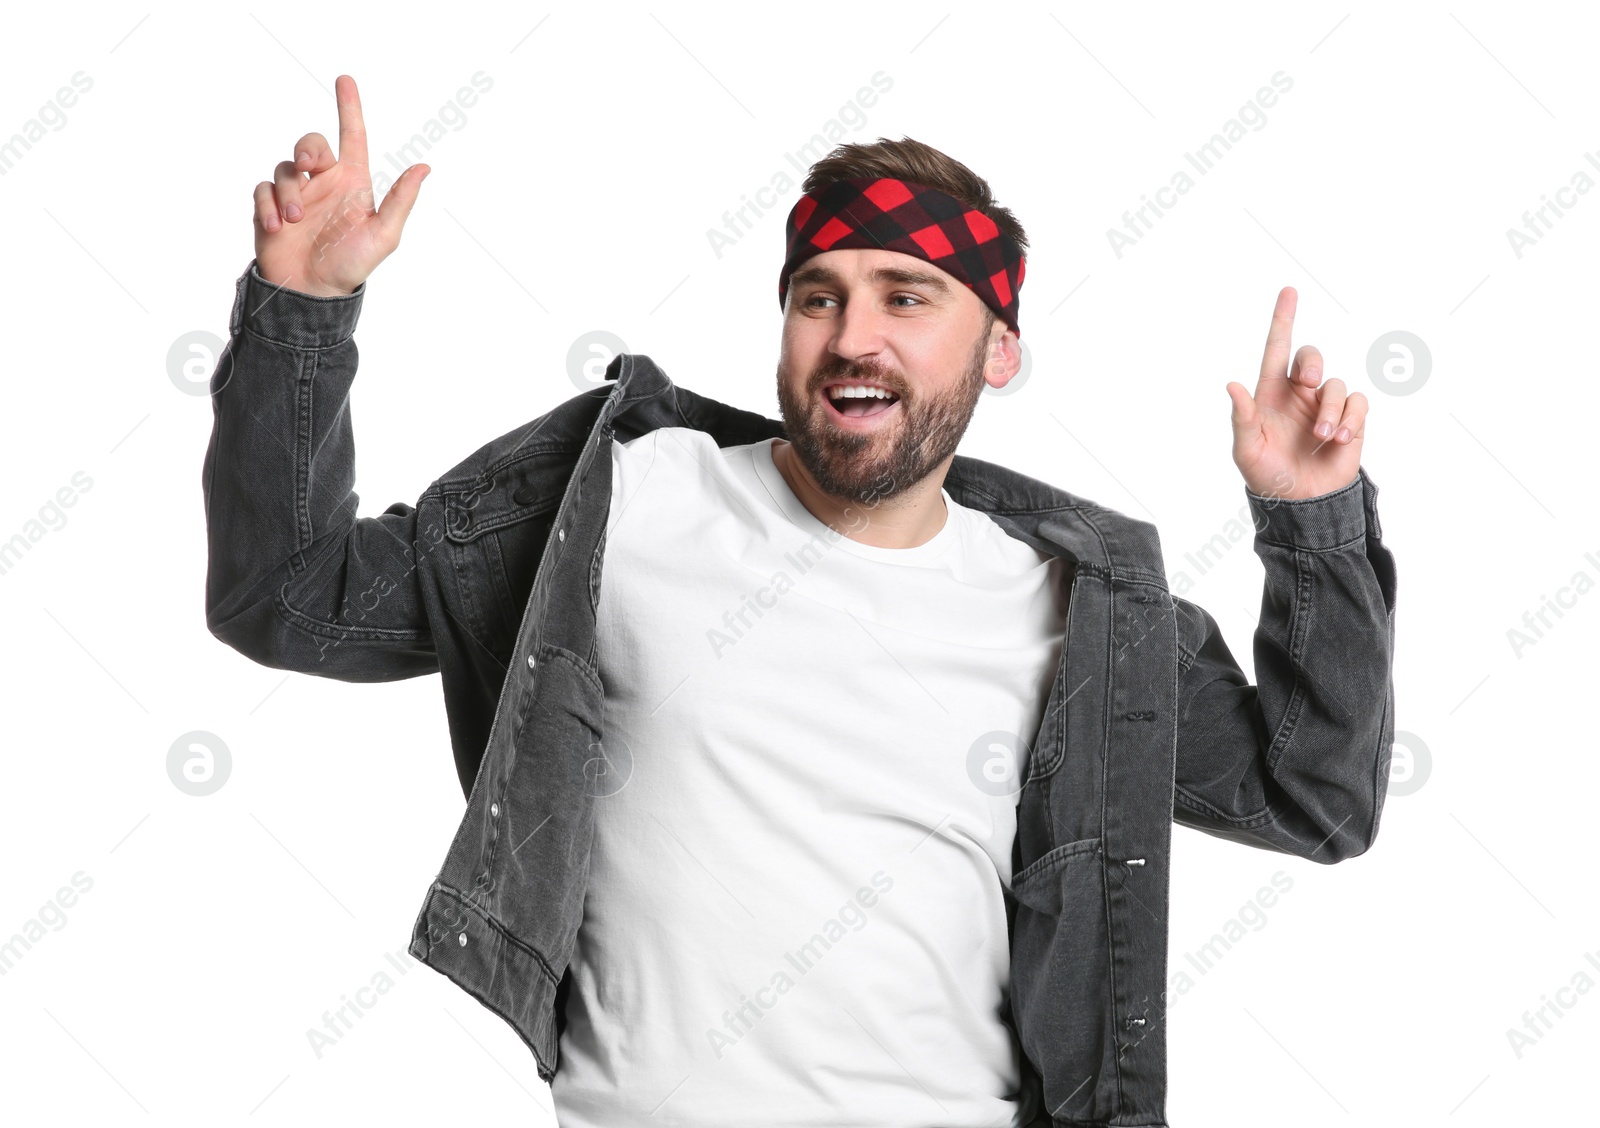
(1039, 885)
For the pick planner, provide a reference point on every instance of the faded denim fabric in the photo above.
(492, 578)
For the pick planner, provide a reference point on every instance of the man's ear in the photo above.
(1005, 358)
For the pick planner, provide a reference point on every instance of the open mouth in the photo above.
(859, 401)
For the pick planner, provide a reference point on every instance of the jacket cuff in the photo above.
(289, 317)
(1317, 524)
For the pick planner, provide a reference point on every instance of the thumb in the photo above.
(1244, 414)
(397, 202)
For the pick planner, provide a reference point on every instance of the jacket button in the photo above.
(532, 661)
(463, 939)
(524, 495)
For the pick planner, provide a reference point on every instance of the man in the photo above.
(815, 774)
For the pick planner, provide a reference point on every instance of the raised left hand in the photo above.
(1297, 436)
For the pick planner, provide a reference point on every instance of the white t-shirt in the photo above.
(794, 912)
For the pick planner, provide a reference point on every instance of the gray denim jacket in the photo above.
(491, 580)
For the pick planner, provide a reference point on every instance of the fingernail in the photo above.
(1324, 429)
(303, 158)
(292, 211)
(1344, 434)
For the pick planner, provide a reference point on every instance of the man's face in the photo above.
(893, 320)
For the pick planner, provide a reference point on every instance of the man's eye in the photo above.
(810, 303)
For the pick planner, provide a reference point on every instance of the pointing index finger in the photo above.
(1275, 361)
(352, 129)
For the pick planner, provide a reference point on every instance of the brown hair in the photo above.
(907, 159)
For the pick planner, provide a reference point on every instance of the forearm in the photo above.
(1297, 762)
(294, 580)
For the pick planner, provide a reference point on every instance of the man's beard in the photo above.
(928, 432)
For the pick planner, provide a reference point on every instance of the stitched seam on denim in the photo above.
(297, 618)
(302, 461)
(1110, 666)
(489, 918)
(1114, 993)
(1056, 756)
(1294, 546)
(469, 606)
(1186, 657)
(495, 553)
(1299, 631)
(1134, 575)
(1242, 822)
(1051, 862)
(298, 346)
(578, 664)
(515, 514)
(484, 526)
(522, 454)
(1086, 506)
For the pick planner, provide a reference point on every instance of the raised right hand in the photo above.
(321, 235)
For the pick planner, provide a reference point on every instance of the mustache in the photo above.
(849, 370)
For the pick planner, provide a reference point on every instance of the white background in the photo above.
(577, 196)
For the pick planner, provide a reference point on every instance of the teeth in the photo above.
(842, 391)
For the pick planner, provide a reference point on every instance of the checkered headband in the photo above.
(914, 219)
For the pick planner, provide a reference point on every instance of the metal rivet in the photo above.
(1135, 861)
(532, 661)
(463, 939)
(494, 810)
(561, 534)
(1135, 1022)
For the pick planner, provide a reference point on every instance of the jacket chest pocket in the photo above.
(499, 526)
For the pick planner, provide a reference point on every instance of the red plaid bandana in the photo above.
(914, 219)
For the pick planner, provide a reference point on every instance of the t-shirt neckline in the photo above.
(793, 508)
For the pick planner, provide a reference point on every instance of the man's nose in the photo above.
(860, 330)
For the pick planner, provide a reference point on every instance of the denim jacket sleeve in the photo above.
(1299, 762)
(295, 580)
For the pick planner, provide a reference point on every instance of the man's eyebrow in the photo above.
(822, 275)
